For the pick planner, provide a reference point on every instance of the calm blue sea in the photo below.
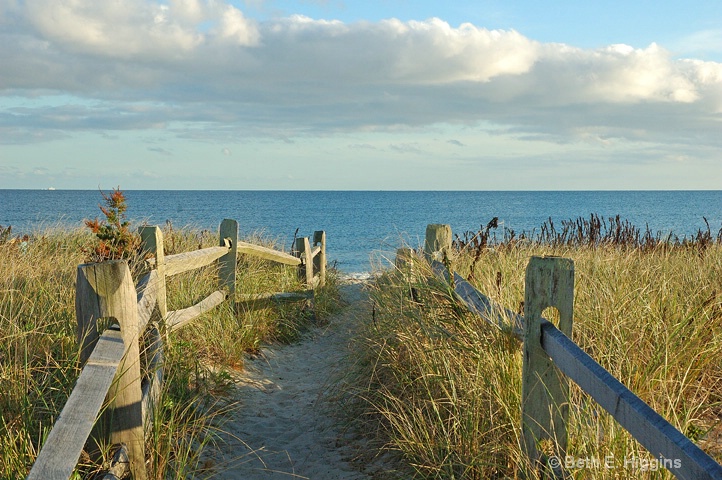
(365, 225)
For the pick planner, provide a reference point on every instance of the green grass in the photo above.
(443, 388)
(39, 353)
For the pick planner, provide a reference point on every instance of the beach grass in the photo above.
(39, 355)
(442, 388)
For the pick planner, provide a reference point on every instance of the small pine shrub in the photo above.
(116, 241)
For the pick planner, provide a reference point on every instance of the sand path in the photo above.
(285, 426)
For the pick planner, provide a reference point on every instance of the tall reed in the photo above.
(444, 387)
(39, 354)
(38, 351)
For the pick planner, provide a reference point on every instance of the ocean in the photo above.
(364, 228)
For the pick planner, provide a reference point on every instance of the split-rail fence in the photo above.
(551, 359)
(112, 402)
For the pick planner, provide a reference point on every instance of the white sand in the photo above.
(285, 427)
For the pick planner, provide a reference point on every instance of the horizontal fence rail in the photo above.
(178, 318)
(546, 278)
(480, 304)
(185, 262)
(66, 440)
(650, 429)
(111, 403)
(268, 254)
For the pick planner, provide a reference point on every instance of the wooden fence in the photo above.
(112, 403)
(551, 359)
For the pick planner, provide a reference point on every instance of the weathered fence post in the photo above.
(227, 263)
(319, 261)
(545, 390)
(305, 270)
(106, 291)
(152, 243)
(438, 241)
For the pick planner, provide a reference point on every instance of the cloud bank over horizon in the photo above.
(203, 70)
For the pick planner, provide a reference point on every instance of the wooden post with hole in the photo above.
(152, 243)
(227, 263)
(438, 241)
(87, 313)
(305, 270)
(545, 390)
(106, 291)
(319, 261)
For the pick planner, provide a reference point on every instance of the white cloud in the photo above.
(632, 75)
(202, 69)
(191, 11)
(434, 52)
(107, 28)
(236, 28)
(134, 29)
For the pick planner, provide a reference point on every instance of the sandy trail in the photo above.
(285, 426)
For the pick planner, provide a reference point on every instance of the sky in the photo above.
(361, 95)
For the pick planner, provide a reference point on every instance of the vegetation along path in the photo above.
(286, 426)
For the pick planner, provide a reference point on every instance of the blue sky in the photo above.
(202, 94)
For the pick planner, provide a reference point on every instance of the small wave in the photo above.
(357, 276)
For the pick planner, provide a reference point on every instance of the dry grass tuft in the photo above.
(443, 388)
(39, 352)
